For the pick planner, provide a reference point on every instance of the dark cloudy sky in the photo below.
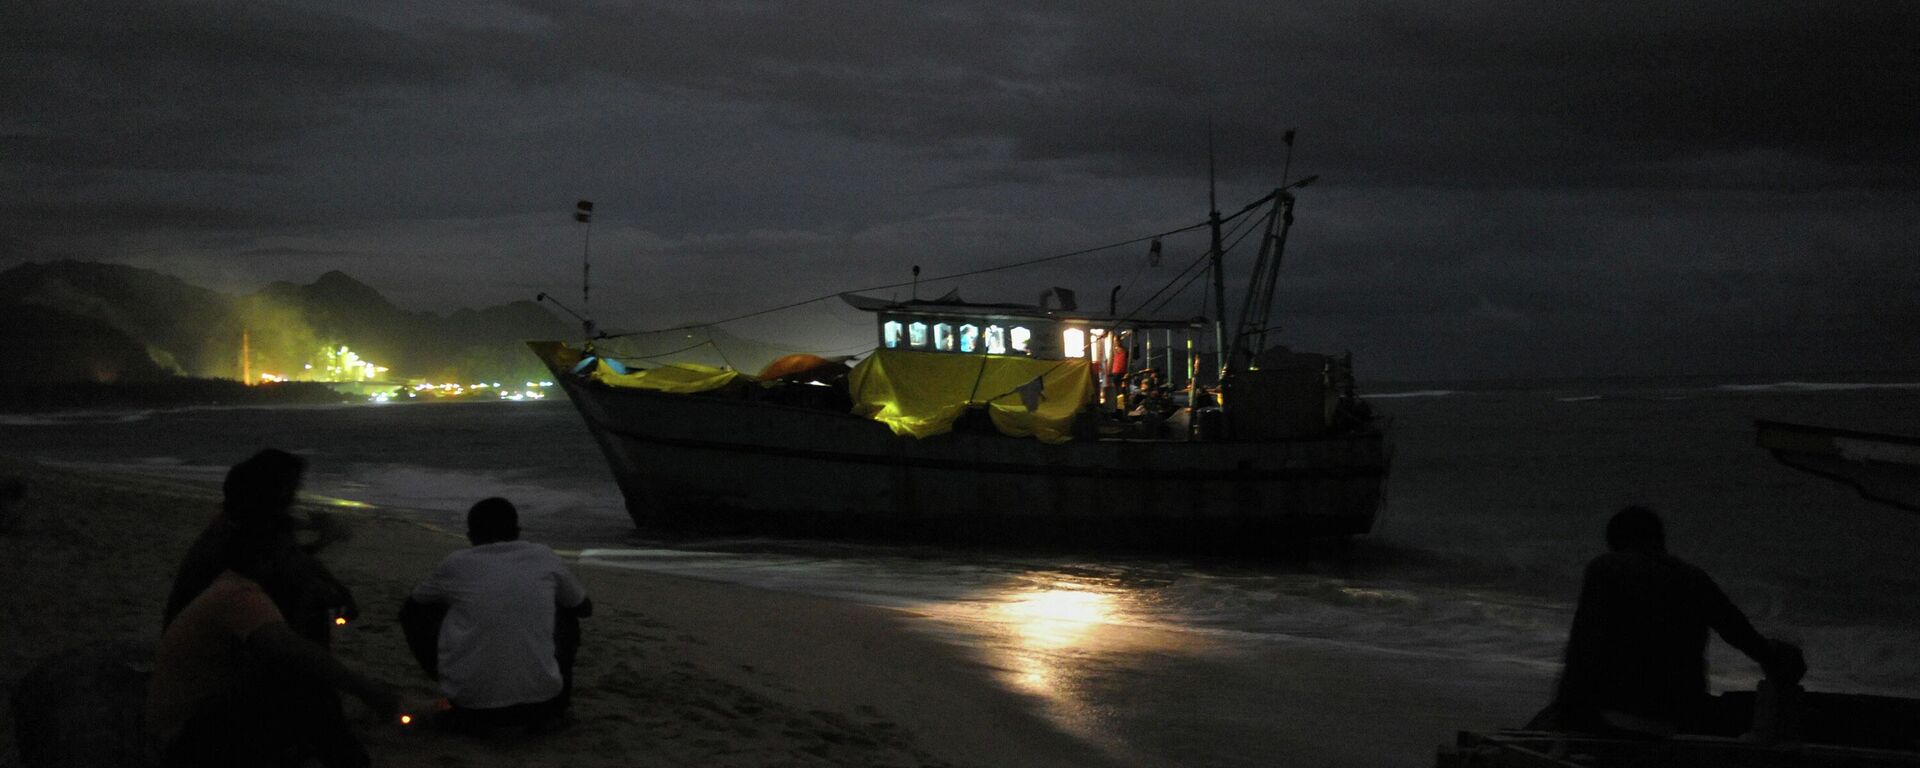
(1514, 188)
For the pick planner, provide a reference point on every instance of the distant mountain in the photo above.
(68, 317)
(181, 325)
(43, 344)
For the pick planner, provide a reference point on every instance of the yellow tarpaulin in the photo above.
(679, 378)
(922, 393)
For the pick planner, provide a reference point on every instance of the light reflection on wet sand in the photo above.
(1044, 621)
(1063, 639)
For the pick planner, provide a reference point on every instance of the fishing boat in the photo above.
(1882, 467)
(1004, 423)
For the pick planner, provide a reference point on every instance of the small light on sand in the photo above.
(406, 719)
(339, 621)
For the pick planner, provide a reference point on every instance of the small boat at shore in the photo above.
(1882, 467)
(1758, 728)
(1819, 730)
(1003, 423)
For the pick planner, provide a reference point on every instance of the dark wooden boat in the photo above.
(1824, 730)
(1005, 423)
(1882, 467)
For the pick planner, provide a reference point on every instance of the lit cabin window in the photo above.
(1021, 339)
(969, 338)
(1098, 342)
(996, 340)
(890, 334)
(1075, 342)
(943, 337)
(917, 335)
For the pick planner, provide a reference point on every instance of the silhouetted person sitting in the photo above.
(504, 645)
(234, 685)
(1636, 655)
(257, 499)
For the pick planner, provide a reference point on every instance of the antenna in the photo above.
(1213, 203)
(548, 298)
(1284, 169)
(1219, 274)
(583, 213)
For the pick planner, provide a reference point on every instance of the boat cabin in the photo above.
(1115, 345)
(1155, 364)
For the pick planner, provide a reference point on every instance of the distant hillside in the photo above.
(82, 321)
(181, 326)
(42, 344)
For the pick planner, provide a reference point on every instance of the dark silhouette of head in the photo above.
(492, 520)
(259, 491)
(1635, 528)
(255, 499)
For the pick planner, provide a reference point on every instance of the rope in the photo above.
(1201, 259)
(1183, 289)
(1042, 377)
(1234, 232)
(689, 348)
(1015, 265)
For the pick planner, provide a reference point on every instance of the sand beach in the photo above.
(674, 671)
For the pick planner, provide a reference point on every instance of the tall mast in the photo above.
(583, 213)
(1237, 346)
(1279, 250)
(1219, 275)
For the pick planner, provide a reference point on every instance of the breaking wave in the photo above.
(550, 507)
(72, 417)
(1817, 386)
(1412, 394)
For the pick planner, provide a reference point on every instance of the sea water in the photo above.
(1455, 607)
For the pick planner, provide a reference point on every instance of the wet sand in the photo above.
(673, 671)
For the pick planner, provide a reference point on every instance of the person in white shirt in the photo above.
(498, 624)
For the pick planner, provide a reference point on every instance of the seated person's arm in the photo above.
(277, 644)
(420, 623)
(1779, 660)
(325, 589)
(438, 588)
(328, 531)
(1733, 627)
(570, 595)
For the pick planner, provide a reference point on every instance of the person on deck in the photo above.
(1636, 654)
(498, 624)
(234, 685)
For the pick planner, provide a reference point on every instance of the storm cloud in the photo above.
(1506, 188)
